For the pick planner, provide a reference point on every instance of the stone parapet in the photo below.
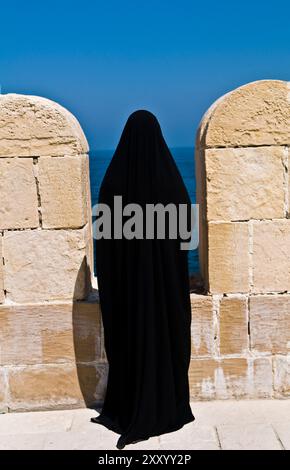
(242, 178)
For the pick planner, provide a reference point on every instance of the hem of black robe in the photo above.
(124, 441)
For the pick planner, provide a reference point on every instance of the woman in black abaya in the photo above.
(144, 295)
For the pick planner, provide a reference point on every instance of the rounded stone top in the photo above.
(254, 114)
(36, 126)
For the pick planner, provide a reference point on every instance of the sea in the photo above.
(184, 158)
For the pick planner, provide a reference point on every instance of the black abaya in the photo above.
(144, 295)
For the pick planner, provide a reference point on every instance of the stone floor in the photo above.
(227, 425)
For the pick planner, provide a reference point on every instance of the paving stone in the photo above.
(283, 432)
(151, 444)
(93, 440)
(36, 422)
(262, 425)
(22, 442)
(248, 437)
(217, 412)
(191, 437)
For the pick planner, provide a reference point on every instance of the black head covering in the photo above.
(142, 168)
(144, 295)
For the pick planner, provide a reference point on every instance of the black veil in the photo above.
(144, 294)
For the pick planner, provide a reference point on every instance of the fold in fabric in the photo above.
(144, 295)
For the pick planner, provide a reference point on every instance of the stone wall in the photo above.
(241, 327)
(50, 326)
(51, 339)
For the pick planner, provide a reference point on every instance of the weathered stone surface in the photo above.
(230, 378)
(283, 431)
(87, 331)
(34, 126)
(249, 436)
(271, 245)
(261, 377)
(2, 297)
(62, 184)
(202, 378)
(214, 413)
(3, 388)
(245, 183)
(190, 437)
(38, 422)
(22, 442)
(281, 366)
(18, 194)
(233, 325)
(254, 114)
(270, 323)
(228, 257)
(94, 439)
(50, 333)
(46, 265)
(202, 325)
(55, 386)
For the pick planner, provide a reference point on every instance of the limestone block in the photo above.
(202, 325)
(62, 185)
(230, 378)
(3, 388)
(260, 378)
(53, 386)
(271, 245)
(50, 333)
(228, 257)
(1, 273)
(233, 325)
(202, 378)
(18, 194)
(281, 367)
(35, 126)
(288, 184)
(245, 183)
(270, 323)
(46, 265)
(254, 114)
(87, 327)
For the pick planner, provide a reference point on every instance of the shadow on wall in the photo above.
(87, 338)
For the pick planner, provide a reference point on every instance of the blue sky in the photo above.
(103, 60)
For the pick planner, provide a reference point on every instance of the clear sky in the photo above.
(104, 59)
